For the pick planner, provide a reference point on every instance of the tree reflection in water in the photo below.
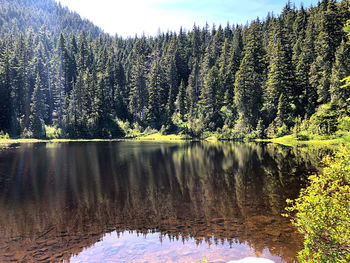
(57, 199)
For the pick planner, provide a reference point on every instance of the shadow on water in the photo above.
(57, 200)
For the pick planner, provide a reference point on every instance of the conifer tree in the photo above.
(192, 91)
(36, 110)
(172, 81)
(280, 75)
(226, 77)
(283, 110)
(249, 79)
(6, 105)
(138, 93)
(154, 110)
(326, 44)
(181, 100)
(208, 100)
(235, 58)
(341, 69)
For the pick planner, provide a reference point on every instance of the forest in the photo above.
(63, 77)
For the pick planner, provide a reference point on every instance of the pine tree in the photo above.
(172, 81)
(341, 69)
(280, 75)
(154, 110)
(235, 59)
(181, 100)
(326, 44)
(283, 111)
(226, 77)
(192, 91)
(208, 103)
(138, 93)
(36, 110)
(249, 80)
(6, 113)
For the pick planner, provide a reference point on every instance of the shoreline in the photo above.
(287, 140)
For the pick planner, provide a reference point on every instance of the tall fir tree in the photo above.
(36, 110)
(250, 80)
(208, 100)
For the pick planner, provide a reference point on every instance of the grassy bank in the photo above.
(14, 141)
(152, 137)
(289, 140)
(160, 137)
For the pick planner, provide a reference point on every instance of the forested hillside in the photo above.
(60, 76)
(18, 16)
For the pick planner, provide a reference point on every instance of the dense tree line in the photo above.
(263, 78)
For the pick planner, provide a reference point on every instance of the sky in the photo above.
(130, 17)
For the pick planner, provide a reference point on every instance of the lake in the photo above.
(149, 201)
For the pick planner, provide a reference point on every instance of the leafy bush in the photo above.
(149, 131)
(52, 132)
(195, 127)
(322, 212)
(303, 136)
(324, 121)
(344, 124)
(275, 130)
(4, 135)
(27, 134)
(283, 130)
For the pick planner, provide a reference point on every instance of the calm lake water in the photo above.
(148, 202)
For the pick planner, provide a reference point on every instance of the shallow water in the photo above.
(148, 202)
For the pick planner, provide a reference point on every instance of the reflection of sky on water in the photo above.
(154, 248)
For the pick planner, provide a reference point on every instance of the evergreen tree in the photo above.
(283, 112)
(154, 110)
(208, 100)
(235, 58)
(172, 81)
(36, 110)
(138, 93)
(249, 80)
(341, 69)
(280, 75)
(326, 44)
(181, 100)
(192, 91)
(6, 105)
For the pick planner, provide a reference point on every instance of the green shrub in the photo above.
(322, 214)
(324, 121)
(344, 124)
(4, 135)
(303, 136)
(283, 130)
(149, 131)
(52, 132)
(27, 134)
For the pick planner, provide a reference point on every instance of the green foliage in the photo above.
(150, 131)
(325, 120)
(4, 135)
(249, 80)
(53, 132)
(344, 124)
(195, 128)
(321, 212)
(277, 129)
